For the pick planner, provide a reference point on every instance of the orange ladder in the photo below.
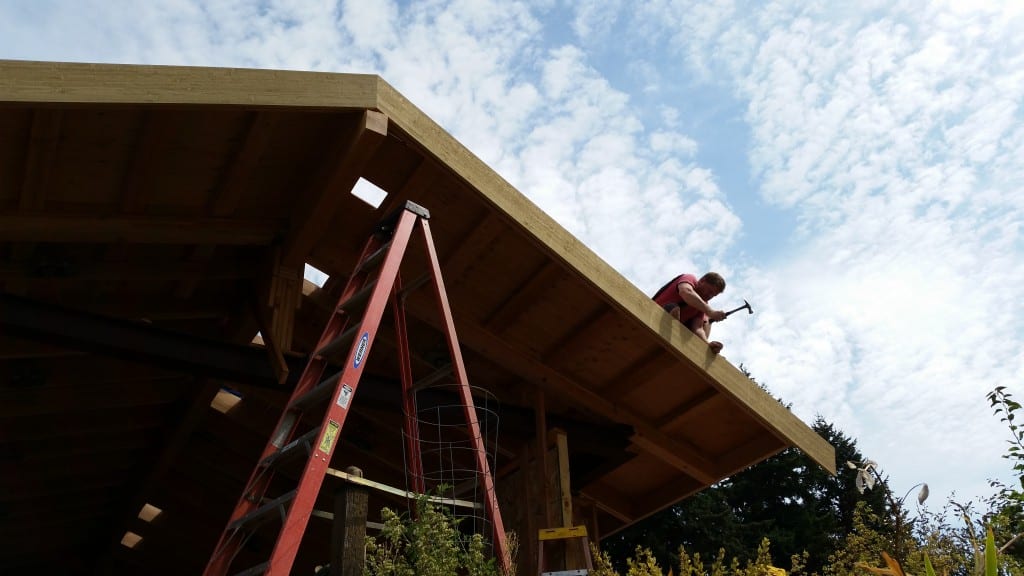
(374, 284)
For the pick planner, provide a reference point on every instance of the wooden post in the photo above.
(348, 538)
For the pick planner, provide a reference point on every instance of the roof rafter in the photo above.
(336, 177)
(555, 383)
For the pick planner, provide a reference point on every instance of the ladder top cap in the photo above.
(417, 209)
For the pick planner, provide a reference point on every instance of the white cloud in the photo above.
(891, 132)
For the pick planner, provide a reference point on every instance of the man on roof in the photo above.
(686, 299)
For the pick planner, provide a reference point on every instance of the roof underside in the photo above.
(141, 210)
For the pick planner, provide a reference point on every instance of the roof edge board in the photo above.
(28, 82)
(621, 293)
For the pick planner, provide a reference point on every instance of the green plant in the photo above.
(428, 544)
(987, 562)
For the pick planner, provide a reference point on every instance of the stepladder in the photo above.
(350, 333)
(577, 534)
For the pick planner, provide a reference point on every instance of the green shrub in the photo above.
(428, 545)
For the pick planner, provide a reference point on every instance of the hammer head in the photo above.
(747, 306)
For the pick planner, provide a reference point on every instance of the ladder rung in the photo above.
(373, 259)
(581, 572)
(358, 298)
(291, 448)
(255, 570)
(322, 391)
(261, 514)
(340, 342)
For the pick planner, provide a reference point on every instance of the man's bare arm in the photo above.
(690, 296)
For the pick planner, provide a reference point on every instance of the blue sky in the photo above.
(854, 172)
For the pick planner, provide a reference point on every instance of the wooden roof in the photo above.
(143, 210)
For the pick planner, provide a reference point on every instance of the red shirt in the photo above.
(668, 297)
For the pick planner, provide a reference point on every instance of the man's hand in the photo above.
(715, 346)
(716, 315)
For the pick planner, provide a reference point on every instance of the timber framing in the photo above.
(155, 222)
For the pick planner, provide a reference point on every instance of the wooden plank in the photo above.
(183, 431)
(379, 486)
(671, 455)
(699, 402)
(555, 383)
(44, 139)
(32, 82)
(348, 549)
(523, 297)
(156, 130)
(137, 269)
(337, 176)
(759, 448)
(59, 401)
(643, 370)
(425, 174)
(595, 274)
(19, 348)
(38, 227)
(231, 188)
(564, 485)
(611, 501)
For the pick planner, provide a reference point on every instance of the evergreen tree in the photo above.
(787, 498)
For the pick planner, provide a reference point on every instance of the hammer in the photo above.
(745, 305)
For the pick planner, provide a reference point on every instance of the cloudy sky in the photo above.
(854, 169)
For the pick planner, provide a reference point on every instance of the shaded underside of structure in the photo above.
(153, 220)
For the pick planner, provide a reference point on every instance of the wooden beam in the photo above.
(134, 341)
(600, 314)
(336, 178)
(541, 448)
(671, 455)
(564, 484)
(85, 425)
(33, 82)
(483, 232)
(44, 140)
(611, 501)
(524, 296)
(688, 409)
(671, 491)
(593, 273)
(759, 448)
(229, 191)
(644, 370)
(172, 448)
(37, 227)
(39, 271)
(156, 129)
(348, 530)
(53, 402)
(20, 348)
(421, 179)
(555, 383)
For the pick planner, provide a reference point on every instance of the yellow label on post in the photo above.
(559, 533)
(330, 435)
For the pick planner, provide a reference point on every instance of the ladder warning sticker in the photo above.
(361, 349)
(330, 435)
(345, 396)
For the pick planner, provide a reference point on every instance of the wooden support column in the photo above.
(540, 414)
(348, 536)
(275, 311)
(564, 490)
